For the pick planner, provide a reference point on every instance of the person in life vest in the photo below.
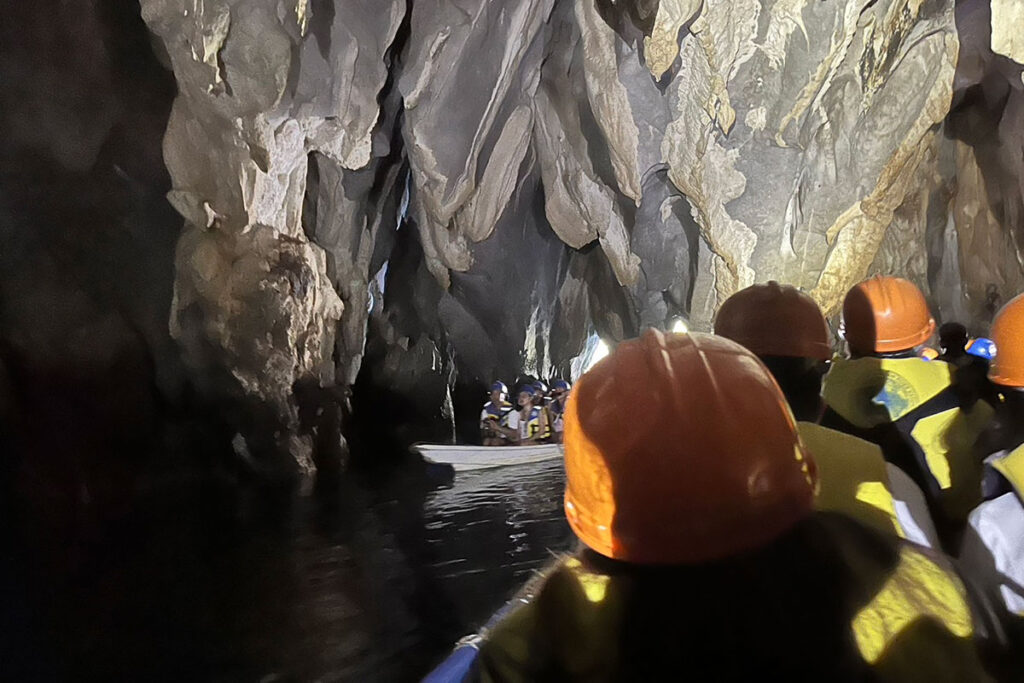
(494, 428)
(542, 400)
(885, 393)
(703, 558)
(994, 543)
(785, 328)
(529, 421)
(556, 409)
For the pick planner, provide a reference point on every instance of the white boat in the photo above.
(463, 458)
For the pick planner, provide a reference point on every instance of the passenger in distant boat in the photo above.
(689, 485)
(532, 419)
(542, 399)
(556, 409)
(494, 428)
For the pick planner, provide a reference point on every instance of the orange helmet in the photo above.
(1008, 334)
(886, 314)
(775, 320)
(681, 449)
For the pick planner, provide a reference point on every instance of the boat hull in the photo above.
(464, 458)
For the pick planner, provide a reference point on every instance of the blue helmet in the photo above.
(528, 389)
(982, 348)
(540, 387)
(500, 386)
(560, 385)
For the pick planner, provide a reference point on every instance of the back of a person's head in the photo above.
(800, 380)
(775, 320)
(786, 329)
(690, 489)
(1006, 372)
(885, 316)
(680, 448)
(953, 338)
(1007, 368)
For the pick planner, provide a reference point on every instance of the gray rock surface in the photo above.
(565, 167)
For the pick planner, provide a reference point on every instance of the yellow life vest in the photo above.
(852, 478)
(906, 618)
(548, 422)
(872, 391)
(1012, 467)
(532, 423)
(914, 397)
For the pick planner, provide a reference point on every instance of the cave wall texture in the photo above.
(415, 197)
(570, 165)
(562, 166)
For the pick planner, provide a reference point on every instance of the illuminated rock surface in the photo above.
(456, 190)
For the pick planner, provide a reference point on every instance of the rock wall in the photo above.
(511, 177)
(88, 371)
(986, 140)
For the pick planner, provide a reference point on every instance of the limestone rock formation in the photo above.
(986, 127)
(501, 180)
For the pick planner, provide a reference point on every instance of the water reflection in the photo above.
(373, 584)
(491, 529)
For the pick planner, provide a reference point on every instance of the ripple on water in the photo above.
(491, 529)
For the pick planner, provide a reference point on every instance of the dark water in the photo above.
(373, 584)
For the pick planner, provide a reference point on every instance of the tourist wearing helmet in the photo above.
(540, 396)
(785, 328)
(885, 393)
(994, 542)
(494, 428)
(690, 488)
(556, 409)
(530, 420)
(982, 348)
